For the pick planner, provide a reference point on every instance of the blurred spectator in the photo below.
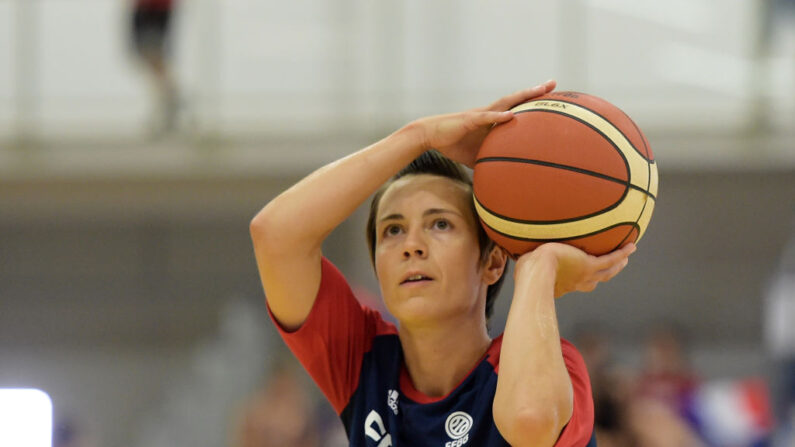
(66, 432)
(672, 407)
(151, 29)
(780, 338)
(654, 424)
(666, 404)
(666, 374)
(611, 387)
(658, 412)
(733, 413)
(280, 414)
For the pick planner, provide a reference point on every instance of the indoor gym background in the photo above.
(128, 289)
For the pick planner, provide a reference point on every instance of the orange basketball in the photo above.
(570, 167)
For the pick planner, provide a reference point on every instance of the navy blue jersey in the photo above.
(356, 359)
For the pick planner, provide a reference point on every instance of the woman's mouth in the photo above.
(416, 278)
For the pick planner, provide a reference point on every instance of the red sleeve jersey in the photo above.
(356, 359)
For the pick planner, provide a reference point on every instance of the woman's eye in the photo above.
(441, 224)
(392, 230)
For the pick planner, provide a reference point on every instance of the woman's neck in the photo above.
(438, 358)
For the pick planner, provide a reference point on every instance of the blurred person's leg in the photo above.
(151, 35)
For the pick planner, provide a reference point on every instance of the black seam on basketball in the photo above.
(552, 222)
(642, 209)
(650, 160)
(527, 239)
(567, 168)
(590, 110)
(608, 139)
(648, 155)
(631, 229)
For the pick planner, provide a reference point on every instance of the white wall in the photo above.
(275, 67)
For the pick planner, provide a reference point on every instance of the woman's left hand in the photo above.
(459, 135)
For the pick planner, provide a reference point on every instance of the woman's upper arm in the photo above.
(290, 276)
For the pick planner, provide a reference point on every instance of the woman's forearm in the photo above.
(306, 213)
(534, 394)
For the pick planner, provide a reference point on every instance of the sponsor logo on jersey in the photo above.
(392, 399)
(457, 427)
(374, 429)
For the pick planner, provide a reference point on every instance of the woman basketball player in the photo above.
(437, 379)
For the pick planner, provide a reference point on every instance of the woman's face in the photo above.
(427, 256)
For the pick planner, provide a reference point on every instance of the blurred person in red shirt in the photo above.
(666, 375)
(657, 413)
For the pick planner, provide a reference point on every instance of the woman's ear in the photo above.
(494, 265)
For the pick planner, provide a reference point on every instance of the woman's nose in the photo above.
(415, 245)
(417, 251)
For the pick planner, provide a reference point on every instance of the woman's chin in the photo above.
(418, 310)
(415, 309)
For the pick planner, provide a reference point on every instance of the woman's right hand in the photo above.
(459, 135)
(575, 270)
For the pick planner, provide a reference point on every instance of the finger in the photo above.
(479, 119)
(610, 273)
(516, 98)
(606, 261)
(524, 95)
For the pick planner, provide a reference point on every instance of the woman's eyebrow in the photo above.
(428, 212)
(440, 211)
(394, 216)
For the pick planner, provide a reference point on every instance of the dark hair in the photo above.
(434, 163)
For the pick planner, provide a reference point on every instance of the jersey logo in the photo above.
(375, 430)
(457, 427)
(391, 400)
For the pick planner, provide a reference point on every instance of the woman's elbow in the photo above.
(534, 426)
(264, 229)
(257, 226)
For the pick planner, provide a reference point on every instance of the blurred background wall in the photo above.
(128, 289)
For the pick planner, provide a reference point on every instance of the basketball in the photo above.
(569, 167)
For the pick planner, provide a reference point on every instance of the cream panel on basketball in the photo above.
(654, 179)
(645, 216)
(626, 212)
(638, 166)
